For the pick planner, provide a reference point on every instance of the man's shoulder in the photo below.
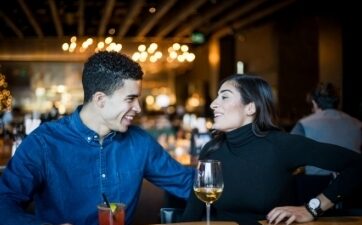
(314, 116)
(53, 126)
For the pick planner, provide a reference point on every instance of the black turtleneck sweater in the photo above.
(258, 175)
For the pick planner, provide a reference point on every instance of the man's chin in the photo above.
(123, 129)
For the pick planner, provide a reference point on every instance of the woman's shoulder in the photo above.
(281, 137)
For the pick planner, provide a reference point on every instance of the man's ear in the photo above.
(99, 99)
(250, 109)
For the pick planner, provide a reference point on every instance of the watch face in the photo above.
(314, 203)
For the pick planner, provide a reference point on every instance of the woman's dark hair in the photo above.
(253, 89)
(326, 96)
(106, 71)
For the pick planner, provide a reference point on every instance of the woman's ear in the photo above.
(99, 99)
(250, 109)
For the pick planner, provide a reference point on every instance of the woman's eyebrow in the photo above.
(225, 90)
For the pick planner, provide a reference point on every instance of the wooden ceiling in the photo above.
(133, 19)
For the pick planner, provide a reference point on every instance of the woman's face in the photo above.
(229, 111)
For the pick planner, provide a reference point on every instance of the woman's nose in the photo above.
(213, 104)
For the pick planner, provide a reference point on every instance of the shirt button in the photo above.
(89, 138)
(95, 136)
(103, 175)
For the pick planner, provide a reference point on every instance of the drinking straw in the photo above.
(108, 205)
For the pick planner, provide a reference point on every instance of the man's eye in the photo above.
(224, 97)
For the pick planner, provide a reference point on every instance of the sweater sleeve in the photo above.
(300, 151)
(194, 210)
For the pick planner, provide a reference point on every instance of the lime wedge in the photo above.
(113, 207)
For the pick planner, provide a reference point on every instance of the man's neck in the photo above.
(90, 117)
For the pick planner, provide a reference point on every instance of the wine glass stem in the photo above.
(208, 213)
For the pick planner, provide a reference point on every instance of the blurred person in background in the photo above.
(328, 124)
(258, 160)
(65, 165)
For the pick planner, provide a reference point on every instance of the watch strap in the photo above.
(311, 211)
(315, 212)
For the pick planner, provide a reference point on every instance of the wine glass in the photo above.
(208, 183)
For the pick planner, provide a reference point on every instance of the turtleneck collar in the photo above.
(240, 136)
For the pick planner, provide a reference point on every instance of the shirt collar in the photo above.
(85, 132)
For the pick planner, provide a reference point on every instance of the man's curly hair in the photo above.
(106, 71)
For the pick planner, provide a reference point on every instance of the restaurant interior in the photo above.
(185, 48)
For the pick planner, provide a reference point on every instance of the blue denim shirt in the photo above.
(62, 167)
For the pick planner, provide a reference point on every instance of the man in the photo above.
(328, 124)
(66, 165)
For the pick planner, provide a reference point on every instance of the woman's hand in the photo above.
(289, 214)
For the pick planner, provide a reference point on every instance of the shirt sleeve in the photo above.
(300, 151)
(20, 179)
(165, 172)
(298, 129)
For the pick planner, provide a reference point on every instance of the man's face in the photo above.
(120, 108)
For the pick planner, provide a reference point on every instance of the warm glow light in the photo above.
(108, 40)
(60, 88)
(118, 47)
(152, 9)
(100, 45)
(173, 55)
(153, 58)
(152, 48)
(136, 56)
(162, 100)
(111, 31)
(150, 100)
(39, 91)
(65, 47)
(158, 54)
(73, 45)
(190, 57)
(184, 48)
(152, 53)
(181, 58)
(142, 48)
(73, 39)
(176, 46)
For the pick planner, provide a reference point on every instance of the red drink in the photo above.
(106, 216)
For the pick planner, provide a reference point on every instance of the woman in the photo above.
(258, 160)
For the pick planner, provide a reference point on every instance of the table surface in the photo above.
(331, 221)
(201, 223)
(320, 221)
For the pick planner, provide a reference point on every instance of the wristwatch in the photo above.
(314, 207)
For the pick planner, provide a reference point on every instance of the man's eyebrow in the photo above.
(132, 96)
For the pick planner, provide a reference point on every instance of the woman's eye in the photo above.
(224, 97)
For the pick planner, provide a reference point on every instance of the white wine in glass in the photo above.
(208, 184)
